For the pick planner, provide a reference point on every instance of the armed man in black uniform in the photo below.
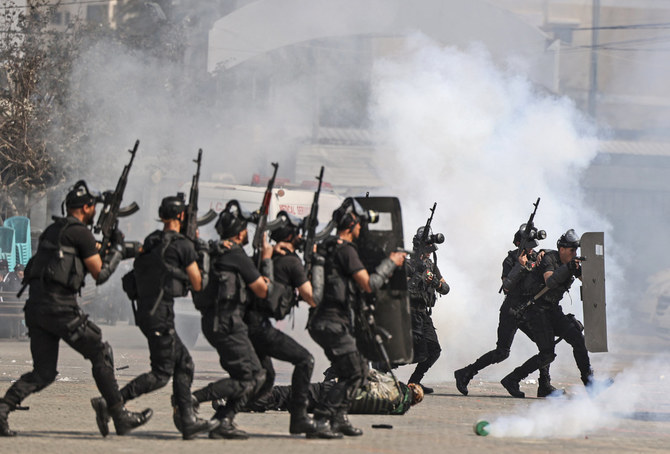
(223, 304)
(546, 285)
(345, 278)
(66, 251)
(163, 270)
(515, 267)
(269, 342)
(424, 280)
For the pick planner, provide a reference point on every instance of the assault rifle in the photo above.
(530, 232)
(263, 216)
(426, 230)
(309, 226)
(191, 221)
(108, 220)
(373, 336)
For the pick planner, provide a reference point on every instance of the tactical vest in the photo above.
(56, 263)
(156, 279)
(417, 287)
(224, 287)
(338, 288)
(279, 302)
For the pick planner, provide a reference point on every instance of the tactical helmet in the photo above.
(521, 235)
(351, 213)
(4, 265)
(417, 393)
(569, 239)
(427, 244)
(19, 267)
(232, 220)
(80, 195)
(172, 206)
(290, 225)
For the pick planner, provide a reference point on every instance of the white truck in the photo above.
(294, 200)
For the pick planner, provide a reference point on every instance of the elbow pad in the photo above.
(443, 288)
(318, 280)
(382, 274)
(268, 269)
(112, 260)
(513, 277)
(204, 265)
(560, 276)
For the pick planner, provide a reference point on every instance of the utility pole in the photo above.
(593, 73)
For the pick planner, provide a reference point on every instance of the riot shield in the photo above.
(593, 291)
(390, 305)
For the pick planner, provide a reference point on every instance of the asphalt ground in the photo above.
(60, 419)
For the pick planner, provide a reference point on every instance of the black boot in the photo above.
(5, 408)
(102, 417)
(340, 423)
(190, 425)
(463, 377)
(324, 430)
(545, 388)
(228, 430)
(511, 384)
(176, 417)
(426, 389)
(595, 387)
(301, 422)
(125, 421)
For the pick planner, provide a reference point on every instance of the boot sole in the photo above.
(101, 417)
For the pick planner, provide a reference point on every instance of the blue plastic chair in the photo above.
(8, 247)
(21, 226)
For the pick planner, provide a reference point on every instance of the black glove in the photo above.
(573, 266)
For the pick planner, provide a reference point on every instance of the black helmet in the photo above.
(569, 239)
(528, 241)
(289, 225)
(19, 267)
(80, 195)
(172, 206)
(351, 213)
(232, 220)
(4, 265)
(427, 244)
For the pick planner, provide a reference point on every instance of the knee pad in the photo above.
(41, 379)
(545, 358)
(500, 355)
(576, 323)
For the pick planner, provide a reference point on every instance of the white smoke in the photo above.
(484, 143)
(634, 391)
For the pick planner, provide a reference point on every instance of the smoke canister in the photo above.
(480, 428)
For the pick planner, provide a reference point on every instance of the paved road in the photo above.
(632, 416)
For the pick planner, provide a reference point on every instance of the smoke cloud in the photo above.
(484, 143)
(633, 396)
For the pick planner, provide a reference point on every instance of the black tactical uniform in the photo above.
(508, 323)
(424, 281)
(270, 342)
(55, 275)
(223, 305)
(545, 318)
(160, 275)
(338, 295)
(331, 327)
